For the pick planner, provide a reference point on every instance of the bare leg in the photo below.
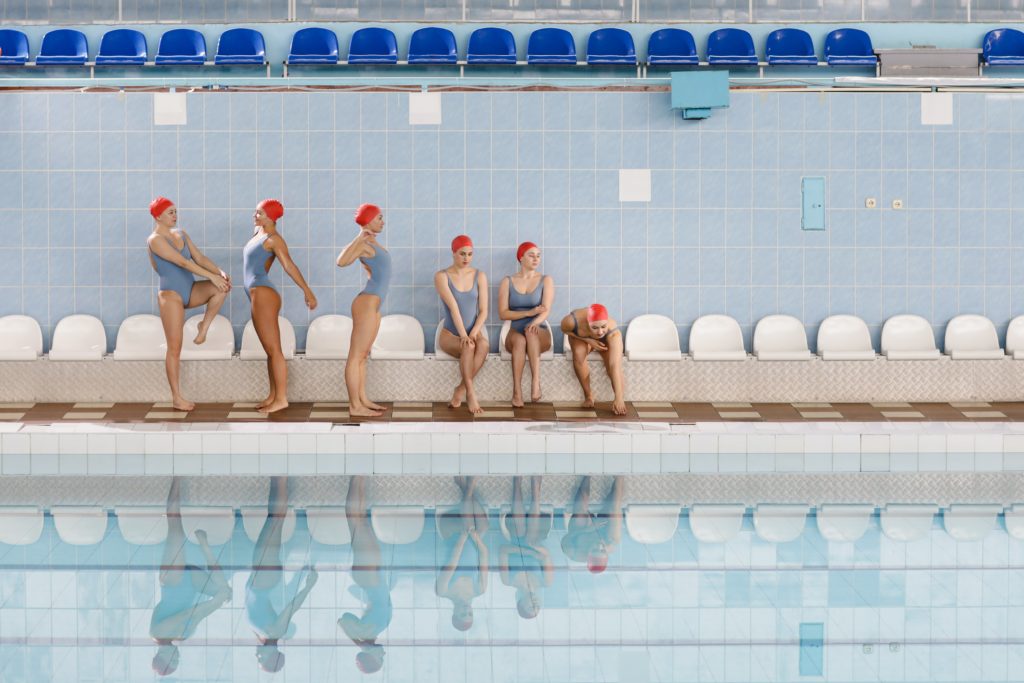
(518, 509)
(362, 377)
(612, 510)
(365, 321)
(612, 358)
(172, 564)
(467, 357)
(208, 294)
(515, 344)
(172, 315)
(536, 344)
(580, 351)
(266, 304)
(266, 556)
(533, 521)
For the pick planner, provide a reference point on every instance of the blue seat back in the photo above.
(122, 46)
(1005, 43)
(181, 46)
(848, 42)
(241, 46)
(790, 46)
(63, 46)
(671, 46)
(314, 45)
(731, 46)
(373, 46)
(432, 45)
(13, 46)
(551, 46)
(611, 46)
(491, 46)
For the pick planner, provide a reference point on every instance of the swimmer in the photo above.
(176, 258)
(592, 538)
(464, 575)
(465, 314)
(258, 255)
(525, 563)
(525, 298)
(366, 306)
(600, 333)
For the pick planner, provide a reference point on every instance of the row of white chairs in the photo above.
(648, 524)
(648, 337)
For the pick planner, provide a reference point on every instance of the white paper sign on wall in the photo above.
(936, 109)
(169, 109)
(424, 109)
(634, 184)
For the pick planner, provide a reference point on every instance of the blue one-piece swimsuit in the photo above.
(468, 303)
(518, 301)
(380, 273)
(173, 277)
(254, 265)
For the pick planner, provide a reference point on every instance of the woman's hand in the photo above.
(538, 309)
(310, 299)
(467, 341)
(220, 283)
(596, 345)
(227, 278)
(533, 328)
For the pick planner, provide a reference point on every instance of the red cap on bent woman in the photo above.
(596, 313)
(366, 213)
(159, 205)
(273, 208)
(523, 248)
(460, 242)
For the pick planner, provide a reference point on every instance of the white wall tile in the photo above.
(732, 443)
(732, 462)
(963, 443)
(45, 443)
(387, 463)
(245, 463)
(130, 464)
(588, 443)
(444, 462)
(987, 461)
(902, 461)
(217, 463)
(444, 442)
(15, 463)
(588, 462)
(359, 443)
(903, 443)
(387, 443)
(760, 461)
(530, 462)
(789, 443)
(646, 463)
(789, 461)
(988, 443)
(530, 443)
(703, 443)
(816, 461)
(474, 463)
(957, 461)
(648, 442)
(214, 443)
(359, 462)
(1013, 462)
(874, 462)
(73, 444)
(846, 443)
(818, 443)
(302, 444)
(501, 463)
(188, 463)
(845, 462)
(1013, 443)
(617, 443)
(703, 462)
(244, 444)
(874, 443)
(156, 463)
(329, 463)
(416, 463)
(675, 462)
(159, 444)
(928, 461)
(329, 444)
(558, 443)
(15, 443)
(501, 443)
(102, 463)
(101, 443)
(558, 463)
(274, 463)
(931, 443)
(617, 463)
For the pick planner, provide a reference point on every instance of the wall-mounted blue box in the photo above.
(698, 92)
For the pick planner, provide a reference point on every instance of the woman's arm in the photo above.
(354, 250)
(504, 571)
(280, 249)
(504, 312)
(481, 547)
(443, 291)
(202, 259)
(483, 304)
(162, 248)
(448, 571)
(547, 300)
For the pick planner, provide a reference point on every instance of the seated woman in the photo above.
(590, 329)
(460, 287)
(525, 299)
(524, 562)
(464, 574)
(591, 538)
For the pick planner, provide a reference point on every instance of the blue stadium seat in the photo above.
(241, 46)
(611, 46)
(1002, 47)
(122, 46)
(181, 46)
(551, 46)
(432, 45)
(731, 46)
(491, 46)
(63, 46)
(373, 46)
(314, 45)
(672, 46)
(790, 46)
(13, 47)
(849, 47)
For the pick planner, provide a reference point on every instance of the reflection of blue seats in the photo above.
(491, 46)
(314, 45)
(849, 47)
(122, 46)
(63, 46)
(13, 46)
(373, 46)
(551, 46)
(671, 46)
(241, 46)
(1002, 47)
(611, 46)
(181, 46)
(432, 45)
(731, 46)
(790, 46)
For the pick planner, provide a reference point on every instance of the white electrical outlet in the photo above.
(870, 203)
(897, 203)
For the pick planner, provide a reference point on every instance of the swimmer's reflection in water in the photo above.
(591, 538)
(463, 576)
(524, 561)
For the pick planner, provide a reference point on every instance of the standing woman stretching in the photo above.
(525, 298)
(465, 314)
(176, 258)
(257, 257)
(366, 306)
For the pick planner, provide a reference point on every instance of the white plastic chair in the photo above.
(780, 337)
(844, 337)
(780, 523)
(20, 338)
(652, 337)
(219, 344)
(652, 524)
(328, 337)
(1014, 518)
(400, 338)
(328, 525)
(252, 349)
(972, 337)
(716, 523)
(217, 521)
(20, 525)
(907, 522)
(547, 512)
(842, 523)
(908, 337)
(505, 355)
(140, 337)
(253, 518)
(441, 355)
(716, 337)
(142, 525)
(80, 525)
(397, 524)
(970, 522)
(79, 337)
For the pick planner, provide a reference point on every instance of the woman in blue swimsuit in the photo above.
(176, 259)
(366, 306)
(525, 299)
(463, 576)
(465, 314)
(258, 255)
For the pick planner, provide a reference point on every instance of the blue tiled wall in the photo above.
(721, 233)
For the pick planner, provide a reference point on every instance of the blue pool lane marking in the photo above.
(812, 649)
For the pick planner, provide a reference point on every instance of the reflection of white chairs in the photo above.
(140, 337)
(716, 523)
(1014, 518)
(441, 355)
(505, 355)
(652, 337)
(970, 522)
(972, 337)
(780, 523)
(20, 525)
(780, 337)
(252, 349)
(80, 525)
(400, 338)
(20, 338)
(328, 525)
(907, 522)
(142, 525)
(328, 337)
(841, 523)
(1014, 338)
(78, 337)
(254, 517)
(219, 344)
(844, 337)
(652, 524)
(217, 521)
(908, 337)
(547, 513)
(716, 337)
(397, 524)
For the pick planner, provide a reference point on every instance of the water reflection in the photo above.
(524, 560)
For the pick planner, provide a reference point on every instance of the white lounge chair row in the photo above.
(648, 338)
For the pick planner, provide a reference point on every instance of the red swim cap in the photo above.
(523, 248)
(366, 213)
(273, 208)
(460, 242)
(596, 313)
(597, 563)
(159, 205)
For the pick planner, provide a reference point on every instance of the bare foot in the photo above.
(201, 334)
(619, 407)
(588, 402)
(517, 401)
(474, 405)
(265, 402)
(374, 406)
(457, 396)
(535, 393)
(363, 411)
(276, 405)
(182, 404)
